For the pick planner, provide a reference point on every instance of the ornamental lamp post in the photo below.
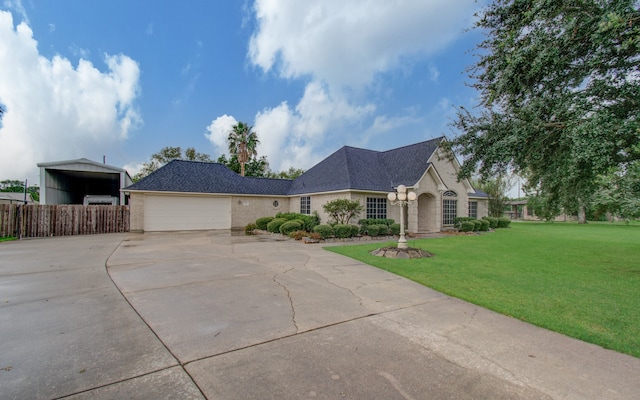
(401, 198)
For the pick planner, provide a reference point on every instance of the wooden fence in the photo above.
(61, 220)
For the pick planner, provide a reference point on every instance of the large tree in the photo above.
(243, 142)
(256, 167)
(559, 86)
(497, 189)
(167, 154)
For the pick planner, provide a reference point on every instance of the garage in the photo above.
(179, 213)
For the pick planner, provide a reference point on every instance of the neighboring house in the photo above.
(519, 209)
(188, 195)
(82, 181)
(15, 198)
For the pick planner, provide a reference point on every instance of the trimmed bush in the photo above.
(383, 229)
(248, 230)
(274, 225)
(476, 225)
(503, 222)
(261, 223)
(308, 221)
(290, 226)
(493, 222)
(373, 230)
(485, 225)
(364, 223)
(457, 221)
(395, 229)
(342, 231)
(467, 226)
(325, 231)
(355, 230)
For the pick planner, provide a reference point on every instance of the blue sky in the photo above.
(123, 78)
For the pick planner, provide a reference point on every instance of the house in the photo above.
(189, 195)
(15, 198)
(520, 210)
(82, 181)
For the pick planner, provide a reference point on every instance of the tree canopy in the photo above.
(257, 167)
(243, 142)
(559, 86)
(341, 211)
(167, 154)
(17, 186)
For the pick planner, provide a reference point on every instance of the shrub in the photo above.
(248, 230)
(476, 224)
(261, 223)
(395, 229)
(325, 231)
(274, 225)
(457, 221)
(467, 226)
(371, 221)
(308, 221)
(372, 230)
(290, 226)
(355, 230)
(342, 210)
(298, 235)
(493, 222)
(503, 222)
(485, 225)
(383, 229)
(342, 231)
(315, 236)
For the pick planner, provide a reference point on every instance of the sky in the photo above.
(119, 80)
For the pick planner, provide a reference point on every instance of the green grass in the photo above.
(579, 280)
(6, 239)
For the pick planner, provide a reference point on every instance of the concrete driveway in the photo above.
(208, 315)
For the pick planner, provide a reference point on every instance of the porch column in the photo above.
(412, 216)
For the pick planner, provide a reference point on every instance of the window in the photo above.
(376, 208)
(449, 207)
(305, 205)
(473, 209)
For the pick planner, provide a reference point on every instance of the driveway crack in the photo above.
(283, 286)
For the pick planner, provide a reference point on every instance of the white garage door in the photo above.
(186, 213)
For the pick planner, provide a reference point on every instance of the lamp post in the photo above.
(401, 198)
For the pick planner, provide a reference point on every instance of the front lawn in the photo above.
(579, 280)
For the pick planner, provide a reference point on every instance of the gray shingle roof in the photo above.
(360, 169)
(349, 168)
(205, 177)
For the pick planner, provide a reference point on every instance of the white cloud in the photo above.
(133, 168)
(55, 111)
(344, 49)
(219, 130)
(290, 136)
(18, 8)
(346, 43)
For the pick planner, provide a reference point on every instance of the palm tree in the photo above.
(242, 141)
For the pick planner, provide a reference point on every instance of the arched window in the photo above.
(449, 207)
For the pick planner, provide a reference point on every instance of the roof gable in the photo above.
(352, 168)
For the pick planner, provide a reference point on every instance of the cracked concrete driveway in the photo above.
(231, 317)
